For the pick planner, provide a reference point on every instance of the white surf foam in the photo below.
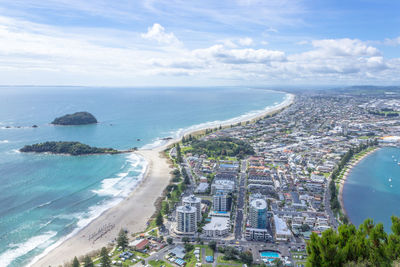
(4, 141)
(18, 250)
(126, 181)
(212, 124)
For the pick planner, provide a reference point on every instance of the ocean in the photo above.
(372, 189)
(45, 198)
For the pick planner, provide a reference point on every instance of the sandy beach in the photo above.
(133, 212)
(346, 174)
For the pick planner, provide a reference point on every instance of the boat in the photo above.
(390, 179)
(398, 163)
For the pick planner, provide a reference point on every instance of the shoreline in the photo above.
(346, 174)
(155, 179)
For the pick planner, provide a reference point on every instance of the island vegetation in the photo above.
(78, 118)
(70, 148)
(369, 245)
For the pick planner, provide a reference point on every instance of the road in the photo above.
(240, 201)
(327, 204)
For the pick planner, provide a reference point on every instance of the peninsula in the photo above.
(70, 148)
(78, 118)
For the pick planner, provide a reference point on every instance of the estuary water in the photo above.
(45, 198)
(372, 189)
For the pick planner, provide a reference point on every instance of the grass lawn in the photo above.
(190, 260)
(159, 263)
(209, 251)
(221, 260)
(140, 254)
(154, 232)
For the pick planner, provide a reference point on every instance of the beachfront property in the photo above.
(186, 217)
(194, 202)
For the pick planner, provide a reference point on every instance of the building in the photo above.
(139, 244)
(222, 201)
(186, 219)
(223, 185)
(258, 234)
(282, 232)
(258, 214)
(194, 202)
(219, 226)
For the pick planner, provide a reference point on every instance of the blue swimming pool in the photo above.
(269, 255)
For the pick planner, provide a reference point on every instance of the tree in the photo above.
(246, 257)
(185, 239)
(166, 208)
(159, 219)
(104, 259)
(231, 253)
(170, 240)
(75, 263)
(213, 245)
(122, 239)
(87, 262)
(305, 227)
(188, 247)
(277, 262)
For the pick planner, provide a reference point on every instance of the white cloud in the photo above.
(345, 47)
(157, 33)
(247, 41)
(34, 53)
(392, 42)
(219, 53)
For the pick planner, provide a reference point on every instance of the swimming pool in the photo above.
(269, 254)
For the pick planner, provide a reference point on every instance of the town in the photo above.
(254, 192)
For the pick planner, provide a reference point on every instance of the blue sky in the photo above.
(177, 42)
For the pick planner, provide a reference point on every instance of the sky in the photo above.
(199, 43)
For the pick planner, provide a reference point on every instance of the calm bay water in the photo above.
(372, 189)
(45, 198)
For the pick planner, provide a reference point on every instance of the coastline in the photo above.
(346, 174)
(157, 176)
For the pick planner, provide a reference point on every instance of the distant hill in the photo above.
(70, 148)
(78, 118)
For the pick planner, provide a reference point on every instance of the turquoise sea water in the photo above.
(45, 198)
(372, 189)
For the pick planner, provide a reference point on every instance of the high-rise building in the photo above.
(258, 214)
(194, 202)
(221, 201)
(186, 218)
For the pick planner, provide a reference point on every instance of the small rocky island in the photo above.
(78, 118)
(70, 148)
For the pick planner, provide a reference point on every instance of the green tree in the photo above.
(170, 240)
(246, 257)
(213, 245)
(75, 262)
(122, 240)
(166, 208)
(188, 247)
(159, 219)
(87, 262)
(104, 258)
(185, 239)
